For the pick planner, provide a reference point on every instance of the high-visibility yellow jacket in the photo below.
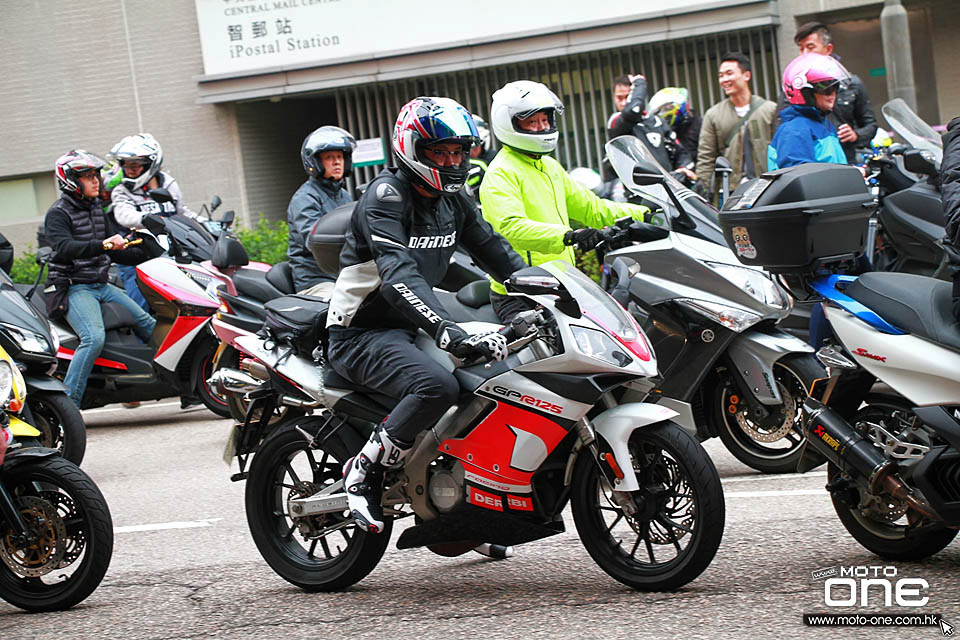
(530, 201)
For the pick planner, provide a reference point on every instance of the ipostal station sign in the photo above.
(239, 37)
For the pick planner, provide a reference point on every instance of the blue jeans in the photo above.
(128, 273)
(84, 316)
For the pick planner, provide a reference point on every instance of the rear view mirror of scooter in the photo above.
(722, 168)
(645, 175)
(227, 219)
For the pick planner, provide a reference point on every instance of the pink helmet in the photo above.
(811, 72)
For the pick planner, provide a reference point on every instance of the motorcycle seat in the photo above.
(280, 276)
(334, 380)
(460, 312)
(116, 316)
(475, 295)
(916, 304)
(253, 283)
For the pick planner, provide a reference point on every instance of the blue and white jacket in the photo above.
(805, 135)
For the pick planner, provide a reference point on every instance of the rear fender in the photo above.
(614, 427)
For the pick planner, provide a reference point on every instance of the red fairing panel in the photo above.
(507, 447)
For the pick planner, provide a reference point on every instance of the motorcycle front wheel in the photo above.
(60, 423)
(678, 513)
(774, 444)
(316, 553)
(74, 536)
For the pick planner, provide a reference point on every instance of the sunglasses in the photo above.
(825, 89)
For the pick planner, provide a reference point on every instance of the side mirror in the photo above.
(535, 285)
(722, 165)
(216, 202)
(160, 195)
(227, 218)
(919, 161)
(897, 149)
(645, 174)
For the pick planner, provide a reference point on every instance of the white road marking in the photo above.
(779, 476)
(163, 526)
(144, 406)
(771, 494)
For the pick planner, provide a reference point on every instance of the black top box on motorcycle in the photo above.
(793, 219)
(298, 321)
(328, 236)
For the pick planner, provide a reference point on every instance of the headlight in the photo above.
(6, 381)
(27, 340)
(756, 283)
(597, 344)
(733, 318)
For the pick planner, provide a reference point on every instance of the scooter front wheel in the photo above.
(775, 443)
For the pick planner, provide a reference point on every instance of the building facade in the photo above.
(231, 87)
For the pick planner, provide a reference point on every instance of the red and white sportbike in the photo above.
(529, 435)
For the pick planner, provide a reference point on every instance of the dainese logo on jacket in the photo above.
(433, 242)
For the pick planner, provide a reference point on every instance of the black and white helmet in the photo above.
(142, 148)
(327, 138)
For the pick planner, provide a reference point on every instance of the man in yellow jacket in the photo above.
(527, 196)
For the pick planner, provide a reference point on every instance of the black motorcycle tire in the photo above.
(230, 359)
(802, 368)
(274, 533)
(60, 423)
(888, 540)
(609, 551)
(92, 515)
(203, 369)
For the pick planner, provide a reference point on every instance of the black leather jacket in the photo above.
(398, 247)
(950, 191)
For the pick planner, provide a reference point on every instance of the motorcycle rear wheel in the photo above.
(203, 365)
(66, 507)
(794, 375)
(60, 423)
(680, 500)
(286, 465)
(889, 538)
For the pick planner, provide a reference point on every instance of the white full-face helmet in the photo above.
(521, 99)
(141, 148)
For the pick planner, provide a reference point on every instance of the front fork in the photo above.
(606, 463)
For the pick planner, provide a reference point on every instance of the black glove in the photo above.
(585, 239)
(454, 339)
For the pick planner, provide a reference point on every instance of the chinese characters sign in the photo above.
(242, 36)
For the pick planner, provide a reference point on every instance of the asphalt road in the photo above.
(184, 565)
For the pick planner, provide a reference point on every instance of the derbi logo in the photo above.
(485, 500)
(866, 354)
(526, 399)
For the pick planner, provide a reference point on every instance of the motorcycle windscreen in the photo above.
(915, 132)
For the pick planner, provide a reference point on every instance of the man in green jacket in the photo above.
(738, 128)
(527, 196)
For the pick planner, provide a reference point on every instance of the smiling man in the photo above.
(738, 128)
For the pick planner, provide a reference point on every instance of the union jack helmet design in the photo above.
(425, 121)
(71, 165)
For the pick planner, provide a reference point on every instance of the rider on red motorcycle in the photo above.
(403, 232)
(81, 234)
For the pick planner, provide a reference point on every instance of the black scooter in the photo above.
(33, 343)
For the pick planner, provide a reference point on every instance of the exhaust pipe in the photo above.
(233, 381)
(841, 444)
(255, 368)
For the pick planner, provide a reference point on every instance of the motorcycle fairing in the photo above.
(828, 288)
(924, 372)
(505, 449)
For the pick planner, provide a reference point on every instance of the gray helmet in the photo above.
(327, 138)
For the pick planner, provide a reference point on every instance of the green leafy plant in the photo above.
(266, 241)
(25, 267)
